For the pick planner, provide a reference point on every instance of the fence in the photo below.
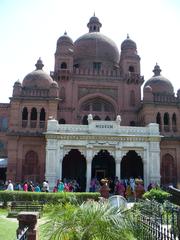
(159, 221)
(23, 234)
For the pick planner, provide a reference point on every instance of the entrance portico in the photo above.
(98, 136)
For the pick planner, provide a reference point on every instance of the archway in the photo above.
(30, 168)
(168, 170)
(131, 166)
(74, 167)
(103, 165)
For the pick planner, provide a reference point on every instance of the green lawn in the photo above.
(8, 226)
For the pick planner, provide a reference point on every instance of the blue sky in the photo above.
(30, 28)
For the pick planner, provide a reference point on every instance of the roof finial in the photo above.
(127, 35)
(157, 70)
(94, 14)
(39, 65)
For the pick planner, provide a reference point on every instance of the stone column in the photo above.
(60, 156)
(28, 219)
(51, 159)
(155, 162)
(89, 156)
(118, 156)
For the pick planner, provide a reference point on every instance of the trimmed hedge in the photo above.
(54, 198)
(157, 194)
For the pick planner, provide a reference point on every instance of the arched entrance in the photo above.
(168, 170)
(74, 167)
(103, 165)
(30, 168)
(131, 166)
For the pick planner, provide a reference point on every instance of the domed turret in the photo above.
(94, 50)
(65, 45)
(17, 88)
(37, 78)
(158, 83)
(128, 44)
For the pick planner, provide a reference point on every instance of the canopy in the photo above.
(3, 162)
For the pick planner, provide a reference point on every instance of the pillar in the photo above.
(28, 219)
(118, 162)
(89, 156)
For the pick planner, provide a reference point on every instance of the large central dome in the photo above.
(94, 47)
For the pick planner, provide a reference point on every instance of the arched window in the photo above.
(33, 117)
(85, 120)
(24, 117)
(63, 65)
(174, 125)
(168, 170)
(42, 118)
(132, 123)
(166, 122)
(158, 120)
(132, 98)
(131, 69)
(96, 118)
(107, 118)
(62, 121)
(25, 114)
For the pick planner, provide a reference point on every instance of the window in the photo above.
(131, 69)
(97, 66)
(166, 122)
(33, 117)
(63, 65)
(62, 121)
(96, 118)
(158, 120)
(97, 106)
(174, 126)
(42, 115)
(85, 120)
(25, 114)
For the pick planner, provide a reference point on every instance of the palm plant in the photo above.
(89, 221)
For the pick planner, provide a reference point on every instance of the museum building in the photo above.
(88, 119)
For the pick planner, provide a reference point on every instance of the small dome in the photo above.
(17, 83)
(37, 78)
(65, 39)
(158, 83)
(128, 44)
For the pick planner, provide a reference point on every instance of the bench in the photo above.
(24, 206)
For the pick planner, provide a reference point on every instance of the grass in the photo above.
(8, 227)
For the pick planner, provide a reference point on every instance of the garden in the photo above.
(85, 216)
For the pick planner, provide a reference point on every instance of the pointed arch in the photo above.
(166, 122)
(174, 123)
(168, 170)
(33, 117)
(30, 168)
(158, 120)
(63, 65)
(24, 117)
(42, 118)
(85, 120)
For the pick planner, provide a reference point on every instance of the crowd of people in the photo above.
(131, 189)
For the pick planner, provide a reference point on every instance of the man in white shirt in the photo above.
(10, 186)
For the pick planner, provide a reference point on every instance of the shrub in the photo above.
(157, 194)
(53, 198)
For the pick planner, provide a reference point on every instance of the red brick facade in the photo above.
(90, 76)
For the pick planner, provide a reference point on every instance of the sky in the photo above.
(29, 29)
